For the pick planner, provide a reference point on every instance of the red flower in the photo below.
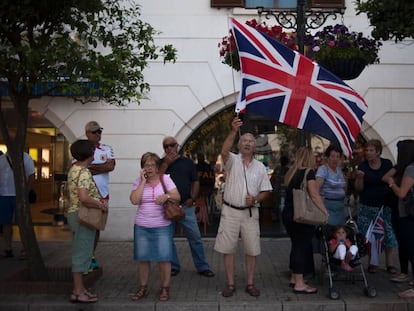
(228, 49)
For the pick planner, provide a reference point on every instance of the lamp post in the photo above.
(301, 19)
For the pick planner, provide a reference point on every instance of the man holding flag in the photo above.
(247, 184)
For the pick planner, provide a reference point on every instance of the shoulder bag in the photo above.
(172, 209)
(304, 210)
(93, 218)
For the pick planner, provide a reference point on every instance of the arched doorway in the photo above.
(276, 144)
(49, 150)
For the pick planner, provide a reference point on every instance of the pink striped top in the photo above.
(149, 214)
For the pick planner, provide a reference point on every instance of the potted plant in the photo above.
(341, 51)
(228, 50)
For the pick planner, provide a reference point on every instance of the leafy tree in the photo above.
(391, 19)
(88, 50)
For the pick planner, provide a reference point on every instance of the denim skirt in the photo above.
(153, 244)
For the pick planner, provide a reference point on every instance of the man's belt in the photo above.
(237, 207)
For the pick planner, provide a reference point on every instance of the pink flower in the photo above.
(316, 48)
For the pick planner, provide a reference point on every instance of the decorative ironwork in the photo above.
(301, 19)
(313, 18)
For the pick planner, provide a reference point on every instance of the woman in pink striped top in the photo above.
(152, 232)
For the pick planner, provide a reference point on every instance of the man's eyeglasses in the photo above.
(172, 145)
(97, 132)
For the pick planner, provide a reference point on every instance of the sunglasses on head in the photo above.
(172, 145)
(97, 132)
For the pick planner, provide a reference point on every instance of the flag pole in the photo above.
(231, 61)
(244, 167)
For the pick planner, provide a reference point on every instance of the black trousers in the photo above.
(301, 254)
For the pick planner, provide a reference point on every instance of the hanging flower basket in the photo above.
(228, 48)
(344, 68)
(342, 52)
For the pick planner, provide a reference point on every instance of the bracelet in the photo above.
(391, 184)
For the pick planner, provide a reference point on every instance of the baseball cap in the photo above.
(92, 126)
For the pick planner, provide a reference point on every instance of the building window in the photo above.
(227, 3)
(277, 4)
(280, 4)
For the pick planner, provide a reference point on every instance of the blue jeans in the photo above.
(192, 233)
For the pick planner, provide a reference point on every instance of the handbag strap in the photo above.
(303, 184)
(77, 181)
(162, 183)
(8, 160)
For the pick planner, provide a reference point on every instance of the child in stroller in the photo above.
(341, 247)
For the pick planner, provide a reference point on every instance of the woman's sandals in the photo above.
(141, 293)
(84, 297)
(164, 293)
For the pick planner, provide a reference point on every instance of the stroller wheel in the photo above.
(334, 294)
(370, 291)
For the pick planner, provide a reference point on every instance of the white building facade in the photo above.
(186, 94)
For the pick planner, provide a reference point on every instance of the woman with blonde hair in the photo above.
(300, 234)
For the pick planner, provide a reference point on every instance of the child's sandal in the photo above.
(164, 293)
(141, 293)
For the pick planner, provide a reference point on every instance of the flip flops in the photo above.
(401, 278)
(307, 290)
(392, 269)
(409, 293)
(85, 297)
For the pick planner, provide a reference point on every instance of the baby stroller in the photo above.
(333, 266)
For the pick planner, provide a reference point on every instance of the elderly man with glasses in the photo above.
(102, 164)
(184, 174)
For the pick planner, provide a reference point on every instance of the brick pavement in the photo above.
(190, 291)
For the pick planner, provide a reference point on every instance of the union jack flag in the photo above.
(376, 236)
(283, 85)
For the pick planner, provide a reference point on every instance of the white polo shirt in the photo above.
(102, 154)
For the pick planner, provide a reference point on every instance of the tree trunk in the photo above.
(15, 142)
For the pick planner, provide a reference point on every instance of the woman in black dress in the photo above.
(300, 234)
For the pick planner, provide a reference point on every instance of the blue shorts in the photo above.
(153, 244)
(7, 209)
(83, 239)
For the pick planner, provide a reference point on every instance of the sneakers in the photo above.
(94, 264)
(401, 278)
